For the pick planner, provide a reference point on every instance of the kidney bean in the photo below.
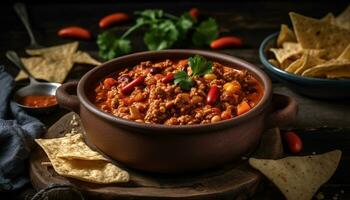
(155, 70)
(130, 86)
(213, 95)
(168, 78)
(194, 13)
(229, 41)
(114, 18)
(74, 32)
(293, 141)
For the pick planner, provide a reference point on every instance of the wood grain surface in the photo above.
(232, 180)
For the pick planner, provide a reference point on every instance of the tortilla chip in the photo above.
(310, 61)
(75, 148)
(296, 64)
(288, 62)
(338, 73)
(290, 49)
(95, 171)
(343, 20)
(285, 35)
(323, 69)
(84, 58)
(47, 69)
(299, 178)
(329, 18)
(64, 49)
(274, 62)
(316, 34)
(346, 54)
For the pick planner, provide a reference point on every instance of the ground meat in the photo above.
(162, 102)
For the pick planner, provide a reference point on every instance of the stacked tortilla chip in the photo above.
(71, 157)
(316, 48)
(54, 63)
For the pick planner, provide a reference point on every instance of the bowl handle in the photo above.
(284, 111)
(66, 96)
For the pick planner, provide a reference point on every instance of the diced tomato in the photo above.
(242, 108)
(109, 82)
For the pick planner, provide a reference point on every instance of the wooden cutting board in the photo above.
(236, 180)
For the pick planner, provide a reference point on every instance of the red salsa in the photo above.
(38, 101)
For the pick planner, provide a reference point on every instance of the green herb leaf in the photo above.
(183, 80)
(200, 65)
(161, 36)
(205, 33)
(110, 46)
(184, 24)
(150, 14)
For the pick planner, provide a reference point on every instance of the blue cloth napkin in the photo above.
(17, 133)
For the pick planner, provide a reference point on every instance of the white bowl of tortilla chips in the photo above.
(313, 58)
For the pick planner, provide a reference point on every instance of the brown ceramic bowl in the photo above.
(181, 148)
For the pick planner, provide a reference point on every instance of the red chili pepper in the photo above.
(109, 82)
(114, 18)
(130, 86)
(74, 32)
(168, 78)
(293, 141)
(213, 95)
(229, 41)
(194, 13)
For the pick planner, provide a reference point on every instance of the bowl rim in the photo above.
(308, 80)
(263, 103)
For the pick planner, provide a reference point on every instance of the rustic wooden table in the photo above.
(323, 125)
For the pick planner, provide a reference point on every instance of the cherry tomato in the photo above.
(194, 13)
(294, 143)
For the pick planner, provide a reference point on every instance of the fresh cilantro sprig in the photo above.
(205, 33)
(162, 31)
(199, 65)
(183, 80)
(110, 46)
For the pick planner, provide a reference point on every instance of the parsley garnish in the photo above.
(162, 31)
(199, 66)
(205, 33)
(111, 46)
(184, 80)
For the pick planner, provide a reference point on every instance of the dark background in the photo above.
(251, 20)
